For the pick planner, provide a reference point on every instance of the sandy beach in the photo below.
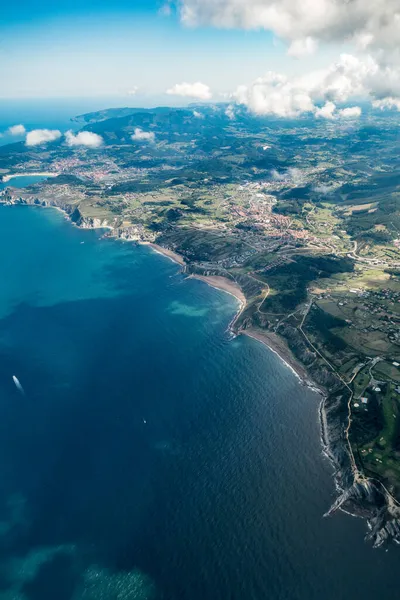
(269, 339)
(277, 345)
(224, 284)
(13, 175)
(168, 253)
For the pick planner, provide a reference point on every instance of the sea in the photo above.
(145, 453)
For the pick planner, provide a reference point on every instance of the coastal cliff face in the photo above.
(360, 497)
(357, 495)
(10, 196)
(87, 222)
(73, 212)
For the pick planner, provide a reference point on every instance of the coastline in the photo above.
(41, 174)
(350, 492)
(279, 347)
(269, 339)
(174, 256)
(224, 284)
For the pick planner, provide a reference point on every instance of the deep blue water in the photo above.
(151, 456)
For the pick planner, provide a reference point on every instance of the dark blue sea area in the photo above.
(148, 454)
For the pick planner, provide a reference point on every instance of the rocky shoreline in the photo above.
(358, 496)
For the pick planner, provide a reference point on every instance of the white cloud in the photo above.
(84, 138)
(198, 114)
(353, 112)
(198, 90)
(291, 175)
(230, 112)
(348, 78)
(17, 130)
(370, 23)
(387, 103)
(41, 136)
(275, 94)
(326, 111)
(143, 136)
(303, 47)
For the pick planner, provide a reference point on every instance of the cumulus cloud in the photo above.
(387, 103)
(303, 22)
(84, 138)
(371, 26)
(327, 111)
(198, 114)
(230, 112)
(348, 78)
(143, 136)
(275, 94)
(352, 112)
(17, 130)
(198, 90)
(41, 136)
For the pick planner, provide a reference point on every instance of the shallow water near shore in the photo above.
(151, 454)
(21, 181)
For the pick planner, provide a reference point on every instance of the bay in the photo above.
(21, 181)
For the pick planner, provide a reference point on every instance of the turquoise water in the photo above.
(150, 455)
(22, 181)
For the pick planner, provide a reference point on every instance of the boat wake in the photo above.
(18, 385)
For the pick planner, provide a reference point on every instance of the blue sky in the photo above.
(241, 50)
(106, 48)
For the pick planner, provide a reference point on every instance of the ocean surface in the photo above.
(53, 113)
(149, 455)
